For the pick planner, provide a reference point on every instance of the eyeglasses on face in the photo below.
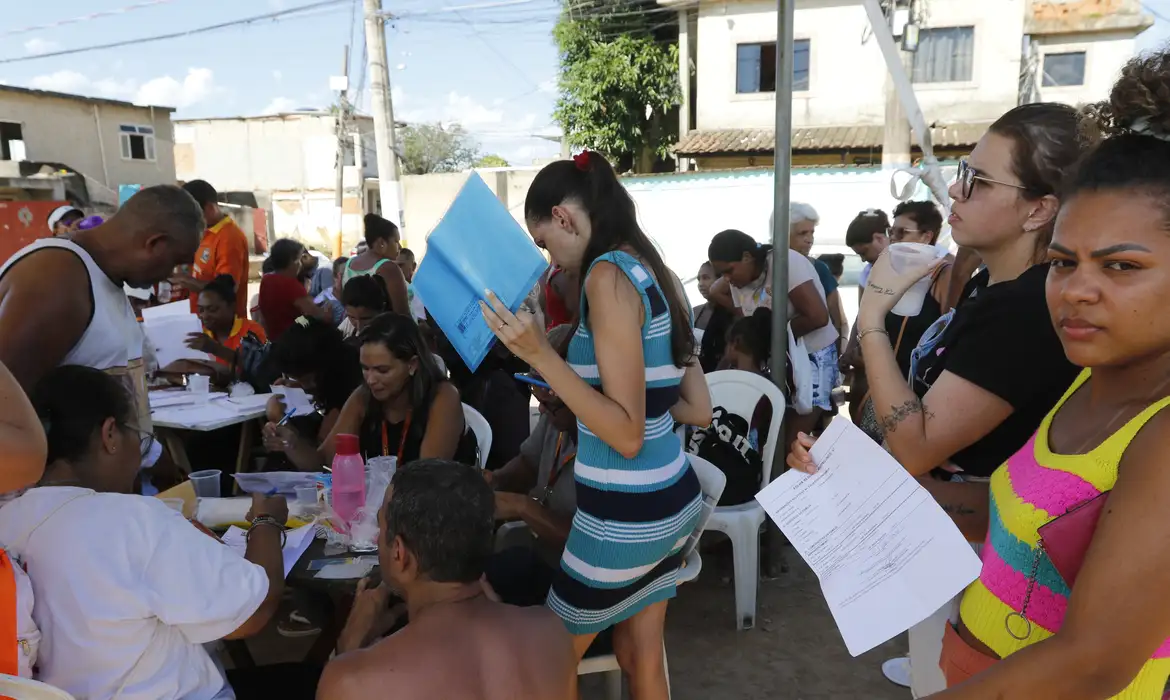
(967, 176)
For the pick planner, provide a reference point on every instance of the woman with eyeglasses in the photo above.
(128, 591)
(984, 375)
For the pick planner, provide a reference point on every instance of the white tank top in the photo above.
(113, 340)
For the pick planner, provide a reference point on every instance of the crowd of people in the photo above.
(1034, 373)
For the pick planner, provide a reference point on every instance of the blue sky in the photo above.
(493, 68)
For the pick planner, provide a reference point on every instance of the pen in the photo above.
(287, 414)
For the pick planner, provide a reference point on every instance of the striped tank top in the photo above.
(1032, 488)
(633, 514)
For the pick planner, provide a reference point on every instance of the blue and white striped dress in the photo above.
(633, 515)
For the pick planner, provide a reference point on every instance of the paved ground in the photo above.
(794, 652)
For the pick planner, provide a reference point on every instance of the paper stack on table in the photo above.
(167, 328)
(886, 554)
(296, 543)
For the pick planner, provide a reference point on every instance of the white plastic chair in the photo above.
(28, 689)
(483, 434)
(740, 392)
(713, 481)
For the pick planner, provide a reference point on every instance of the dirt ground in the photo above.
(793, 653)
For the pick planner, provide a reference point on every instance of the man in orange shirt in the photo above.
(223, 251)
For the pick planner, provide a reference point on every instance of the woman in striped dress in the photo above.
(631, 372)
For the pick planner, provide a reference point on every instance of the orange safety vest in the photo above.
(9, 638)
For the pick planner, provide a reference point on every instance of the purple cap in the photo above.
(90, 222)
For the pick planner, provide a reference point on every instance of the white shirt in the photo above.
(759, 293)
(128, 592)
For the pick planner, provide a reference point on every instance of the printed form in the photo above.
(886, 554)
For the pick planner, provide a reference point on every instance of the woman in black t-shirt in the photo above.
(983, 384)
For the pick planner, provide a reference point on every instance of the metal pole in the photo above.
(785, 10)
(342, 132)
(383, 110)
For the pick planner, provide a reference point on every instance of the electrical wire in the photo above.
(274, 16)
(86, 18)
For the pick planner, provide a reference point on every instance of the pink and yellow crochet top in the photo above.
(1033, 487)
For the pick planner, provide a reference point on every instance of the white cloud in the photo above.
(197, 86)
(280, 104)
(549, 86)
(38, 45)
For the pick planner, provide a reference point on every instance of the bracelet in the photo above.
(867, 331)
(266, 520)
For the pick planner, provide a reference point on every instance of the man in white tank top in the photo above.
(62, 300)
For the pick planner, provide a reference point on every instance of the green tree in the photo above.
(490, 160)
(618, 79)
(434, 148)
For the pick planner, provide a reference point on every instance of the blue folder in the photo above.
(476, 246)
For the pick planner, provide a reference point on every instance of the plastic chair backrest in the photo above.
(28, 689)
(740, 392)
(712, 480)
(483, 434)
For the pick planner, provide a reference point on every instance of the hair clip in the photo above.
(582, 161)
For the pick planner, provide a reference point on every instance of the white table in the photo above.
(212, 413)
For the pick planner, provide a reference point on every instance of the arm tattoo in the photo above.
(900, 413)
(880, 290)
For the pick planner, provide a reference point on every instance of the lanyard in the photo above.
(558, 468)
(401, 440)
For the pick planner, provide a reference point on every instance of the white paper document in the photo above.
(886, 554)
(167, 336)
(296, 543)
(296, 399)
(175, 308)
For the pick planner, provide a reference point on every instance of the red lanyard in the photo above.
(401, 440)
(558, 465)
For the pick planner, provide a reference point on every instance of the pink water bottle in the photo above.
(349, 478)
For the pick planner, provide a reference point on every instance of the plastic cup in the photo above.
(198, 384)
(175, 504)
(206, 483)
(906, 255)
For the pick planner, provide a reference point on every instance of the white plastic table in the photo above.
(214, 413)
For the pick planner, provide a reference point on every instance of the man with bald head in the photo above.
(62, 301)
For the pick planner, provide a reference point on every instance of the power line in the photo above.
(87, 18)
(279, 14)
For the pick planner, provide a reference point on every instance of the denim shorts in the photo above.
(824, 376)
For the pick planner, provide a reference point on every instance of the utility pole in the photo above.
(383, 110)
(342, 122)
(896, 137)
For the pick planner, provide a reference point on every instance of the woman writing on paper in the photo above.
(1103, 630)
(631, 372)
(404, 408)
(127, 590)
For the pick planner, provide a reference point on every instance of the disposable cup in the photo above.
(198, 384)
(175, 504)
(206, 483)
(904, 256)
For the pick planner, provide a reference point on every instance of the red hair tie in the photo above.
(582, 161)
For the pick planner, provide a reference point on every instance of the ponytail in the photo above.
(590, 180)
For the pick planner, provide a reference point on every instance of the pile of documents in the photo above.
(167, 328)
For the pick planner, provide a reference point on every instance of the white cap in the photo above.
(60, 212)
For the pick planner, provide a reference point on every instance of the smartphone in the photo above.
(532, 380)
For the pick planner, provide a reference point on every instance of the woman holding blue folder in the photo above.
(631, 372)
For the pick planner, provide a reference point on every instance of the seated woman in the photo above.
(313, 356)
(283, 296)
(363, 297)
(127, 590)
(404, 408)
(223, 331)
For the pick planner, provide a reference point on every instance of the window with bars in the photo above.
(945, 55)
(137, 142)
(1064, 69)
(755, 67)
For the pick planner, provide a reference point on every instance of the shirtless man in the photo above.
(436, 535)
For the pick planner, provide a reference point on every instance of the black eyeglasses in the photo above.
(145, 439)
(967, 176)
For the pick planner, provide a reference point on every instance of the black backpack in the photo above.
(725, 444)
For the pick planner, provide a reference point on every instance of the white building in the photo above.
(975, 60)
(108, 143)
(288, 162)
